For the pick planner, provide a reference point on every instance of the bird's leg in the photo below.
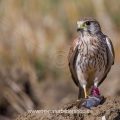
(85, 91)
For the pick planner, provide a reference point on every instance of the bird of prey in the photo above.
(90, 58)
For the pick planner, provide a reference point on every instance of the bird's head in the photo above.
(88, 25)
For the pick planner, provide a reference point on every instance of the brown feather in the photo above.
(109, 64)
(71, 60)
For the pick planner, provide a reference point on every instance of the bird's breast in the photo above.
(92, 55)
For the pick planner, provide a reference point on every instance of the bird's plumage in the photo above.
(73, 52)
(91, 55)
(110, 58)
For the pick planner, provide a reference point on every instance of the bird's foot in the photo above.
(94, 99)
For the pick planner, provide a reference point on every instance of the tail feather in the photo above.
(81, 93)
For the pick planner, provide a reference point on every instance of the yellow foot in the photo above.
(85, 91)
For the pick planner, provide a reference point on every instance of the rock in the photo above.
(109, 110)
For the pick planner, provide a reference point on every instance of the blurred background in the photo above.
(35, 36)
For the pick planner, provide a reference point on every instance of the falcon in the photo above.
(90, 58)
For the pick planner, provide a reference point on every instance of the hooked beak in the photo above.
(80, 26)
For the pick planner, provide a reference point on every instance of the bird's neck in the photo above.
(89, 42)
(88, 33)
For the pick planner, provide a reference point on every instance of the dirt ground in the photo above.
(109, 110)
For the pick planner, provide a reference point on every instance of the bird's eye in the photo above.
(87, 23)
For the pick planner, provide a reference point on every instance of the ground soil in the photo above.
(108, 110)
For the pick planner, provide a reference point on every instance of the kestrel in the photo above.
(90, 57)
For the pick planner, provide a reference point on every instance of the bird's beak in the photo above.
(80, 25)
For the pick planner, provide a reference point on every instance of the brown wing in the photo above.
(73, 52)
(110, 58)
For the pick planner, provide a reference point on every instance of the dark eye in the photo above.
(87, 23)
